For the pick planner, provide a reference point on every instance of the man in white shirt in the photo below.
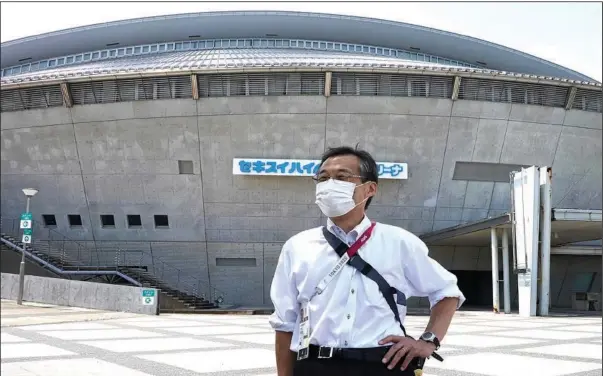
(331, 316)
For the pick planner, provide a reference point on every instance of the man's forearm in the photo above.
(441, 317)
(285, 358)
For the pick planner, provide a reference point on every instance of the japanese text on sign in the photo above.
(305, 167)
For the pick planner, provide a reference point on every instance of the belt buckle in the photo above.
(303, 353)
(325, 352)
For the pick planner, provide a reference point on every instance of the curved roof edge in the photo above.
(11, 82)
(433, 41)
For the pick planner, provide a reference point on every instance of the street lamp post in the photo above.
(29, 193)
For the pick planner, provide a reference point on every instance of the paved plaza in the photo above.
(479, 343)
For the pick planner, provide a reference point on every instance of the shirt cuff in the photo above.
(277, 324)
(448, 292)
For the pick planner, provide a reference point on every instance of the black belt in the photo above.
(370, 354)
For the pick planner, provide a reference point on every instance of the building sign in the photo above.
(305, 167)
(148, 297)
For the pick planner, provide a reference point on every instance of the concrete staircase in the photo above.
(173, 297)
(177, 299)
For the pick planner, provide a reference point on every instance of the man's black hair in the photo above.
(368, 167)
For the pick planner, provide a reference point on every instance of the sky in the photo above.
(565, 33)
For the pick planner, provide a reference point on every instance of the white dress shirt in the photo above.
(352, 312)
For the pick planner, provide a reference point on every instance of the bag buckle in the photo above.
(325, 352)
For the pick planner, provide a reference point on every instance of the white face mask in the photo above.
(336, 198)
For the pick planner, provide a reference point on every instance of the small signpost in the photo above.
(25, 220)
(148, 297)
(26, 236)
(25, 224)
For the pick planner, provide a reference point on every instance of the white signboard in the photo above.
(148, 297)
(526, 205)
(26, 239)
(25, 224)
(304, 167)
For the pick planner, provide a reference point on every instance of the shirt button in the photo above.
(345, 343)
(349, 316)
(352, 291)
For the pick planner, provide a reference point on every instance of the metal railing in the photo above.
(59, 271)
(132, 263)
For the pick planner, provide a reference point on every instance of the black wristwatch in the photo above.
(431, 338)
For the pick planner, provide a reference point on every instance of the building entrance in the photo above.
(476, 285)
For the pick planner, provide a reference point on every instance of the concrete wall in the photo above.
(122, 159)
(70, 293)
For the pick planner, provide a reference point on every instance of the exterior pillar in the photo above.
(545, 240)
(506, 277)
(195, 86)
(455, 88)
(494, 246)
(571, 95)
(328, 76)
(67, 101)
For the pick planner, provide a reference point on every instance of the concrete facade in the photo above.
(123, 158)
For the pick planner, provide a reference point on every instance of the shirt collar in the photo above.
(356, 231)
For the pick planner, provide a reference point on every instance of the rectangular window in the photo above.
(484, 171)
(49, 220)
(236, 261)
(161, 221)
(134, 220)
(185, 167)
(75, 220)
(107, 221)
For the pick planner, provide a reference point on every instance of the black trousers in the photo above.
(336, 367)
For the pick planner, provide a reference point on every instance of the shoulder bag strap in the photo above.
(366, 269)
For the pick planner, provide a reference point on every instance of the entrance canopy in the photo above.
(567, 226)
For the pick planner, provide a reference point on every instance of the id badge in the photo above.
(304, 332)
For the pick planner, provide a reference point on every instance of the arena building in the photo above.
(184, 143)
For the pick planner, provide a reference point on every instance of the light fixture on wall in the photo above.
(29, 192)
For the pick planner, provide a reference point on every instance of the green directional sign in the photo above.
(26, 239)
(148, 297)
(26, 216)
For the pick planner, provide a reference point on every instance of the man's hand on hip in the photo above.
(407, 348)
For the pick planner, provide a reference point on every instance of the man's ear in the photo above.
(372, 189)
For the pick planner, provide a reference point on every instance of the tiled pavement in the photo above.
(477, 344)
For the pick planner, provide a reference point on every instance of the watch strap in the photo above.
(432, 338)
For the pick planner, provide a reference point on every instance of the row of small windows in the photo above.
(107, 221)
(296, 84)
(228, 43)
